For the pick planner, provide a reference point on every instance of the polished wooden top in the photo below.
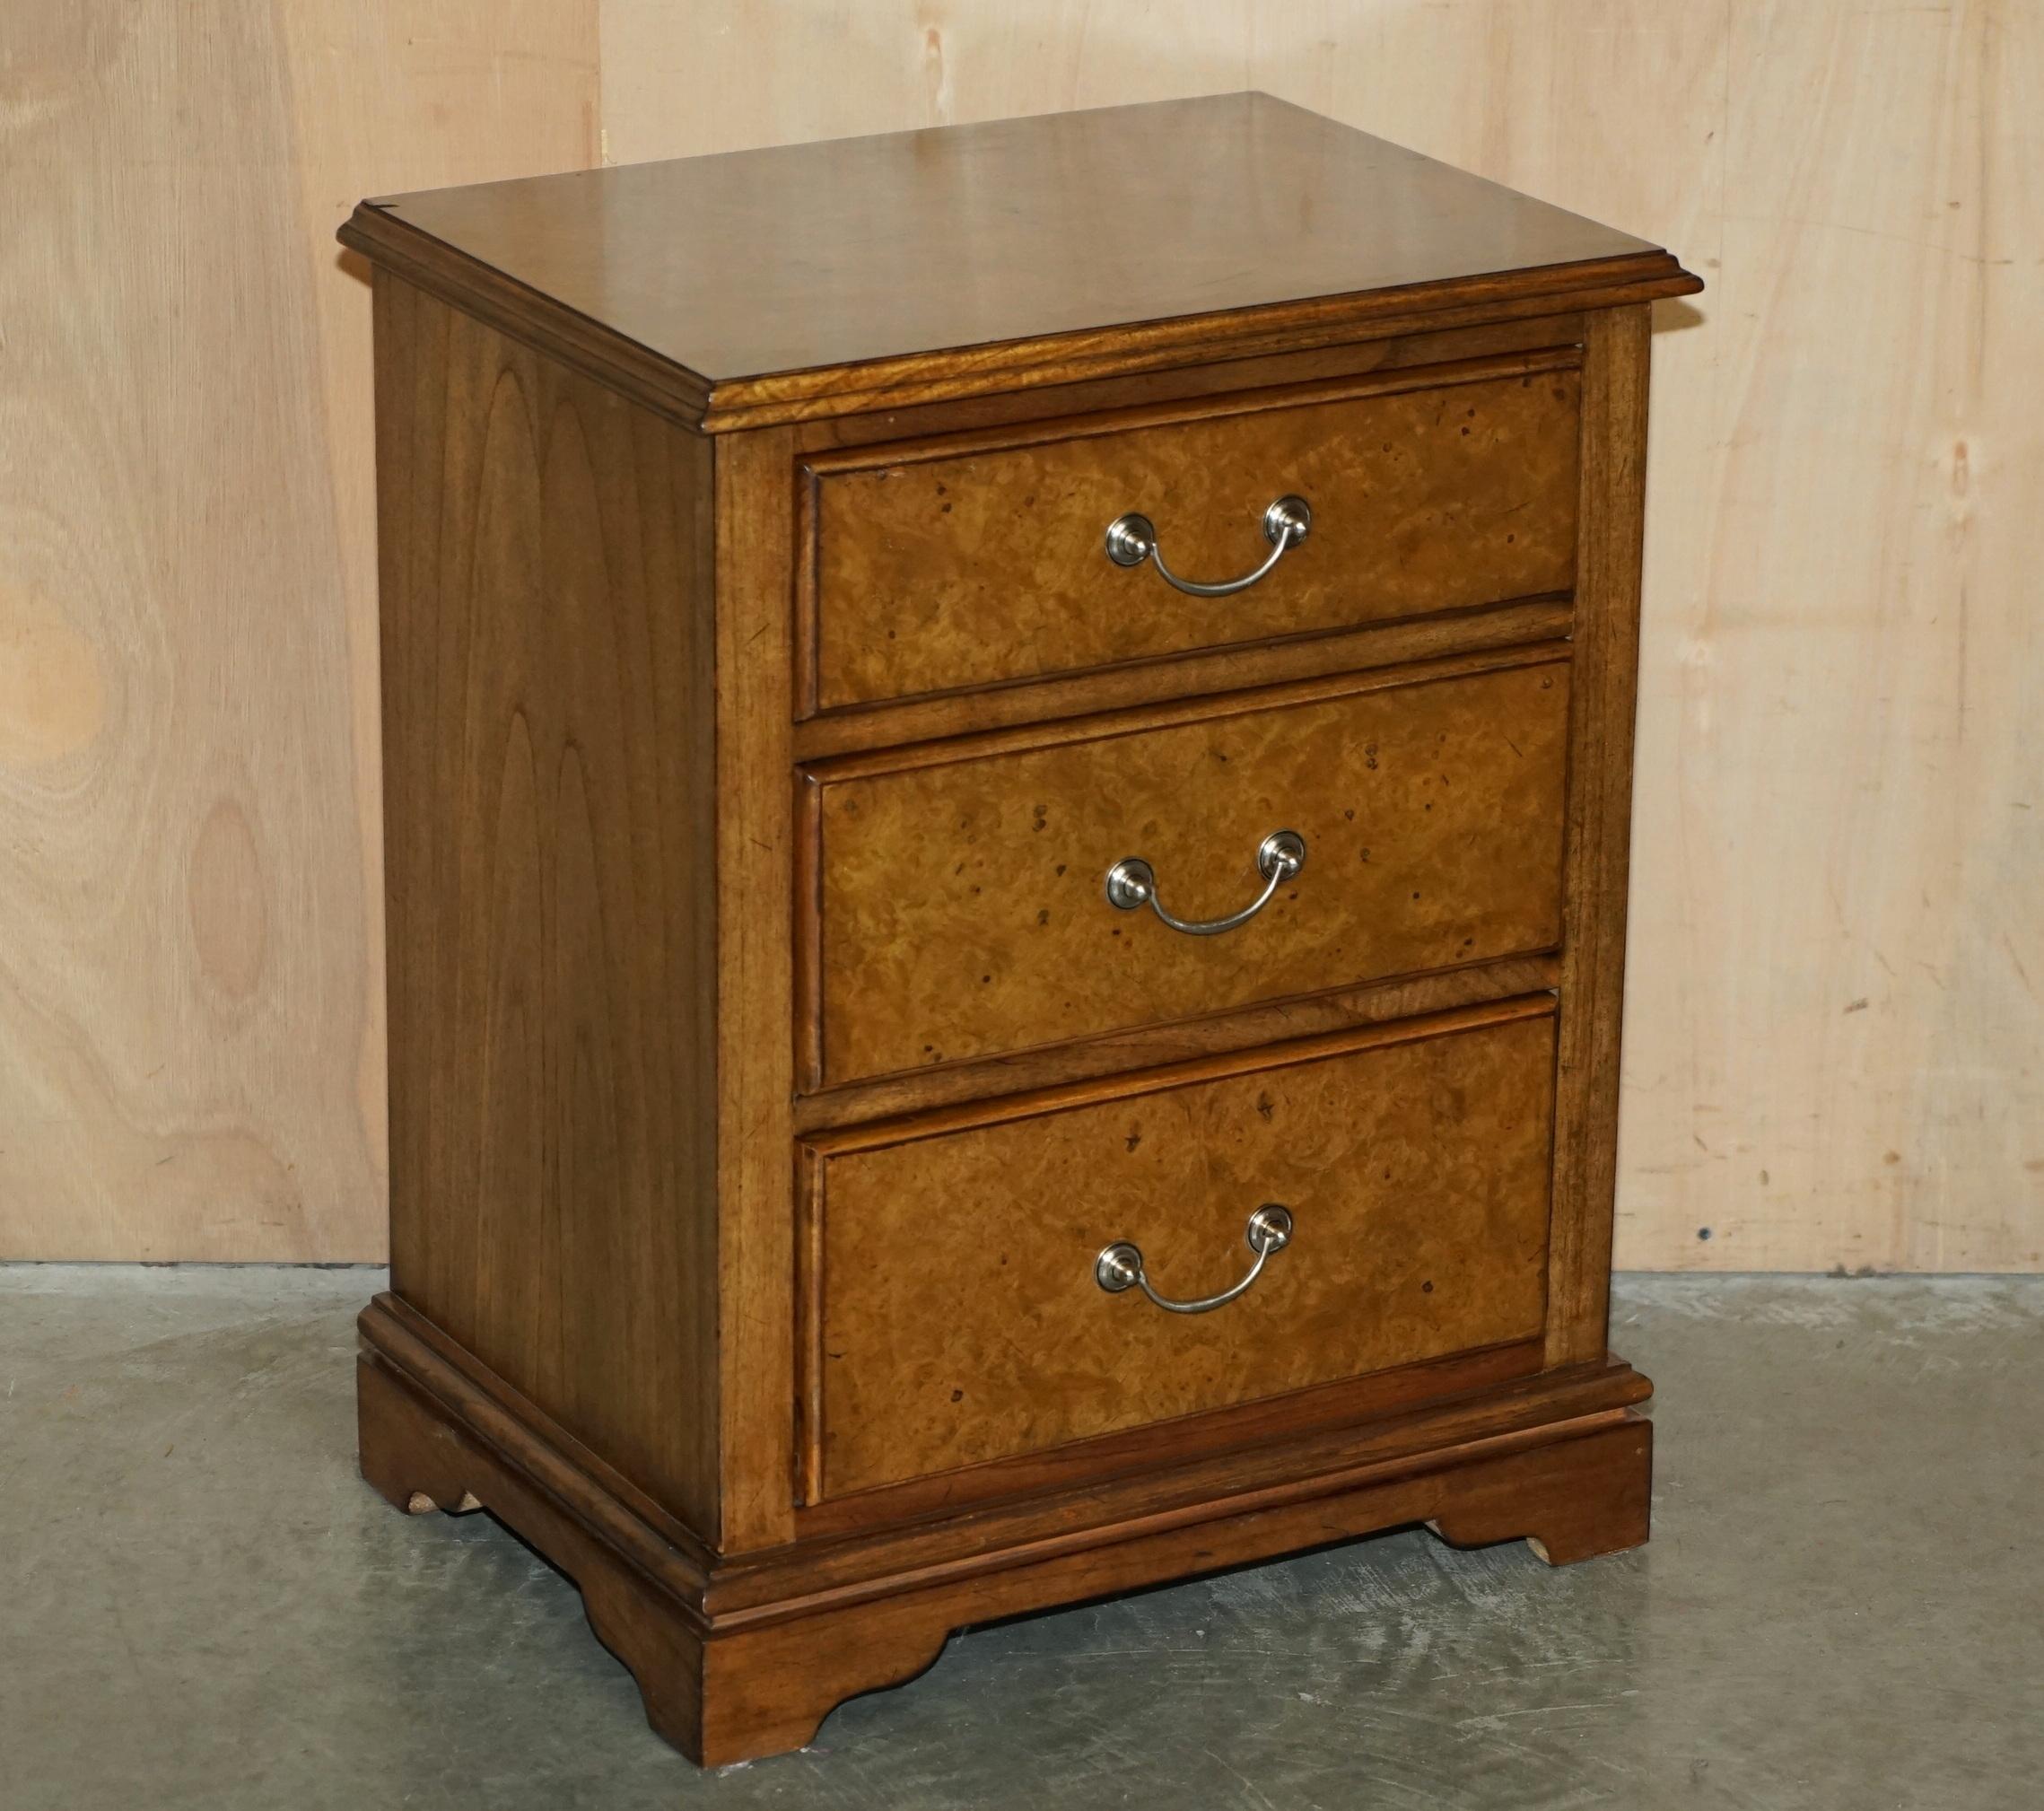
(914, 244)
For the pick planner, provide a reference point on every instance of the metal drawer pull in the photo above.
(1132, 538)
(1132, 884)
(1120, 1265)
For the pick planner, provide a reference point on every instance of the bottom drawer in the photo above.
(955, 1310)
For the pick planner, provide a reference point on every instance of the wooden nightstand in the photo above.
(1007, 765)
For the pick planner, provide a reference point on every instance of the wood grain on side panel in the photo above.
(950, 1275)
(959, 912)
(547, 757)
(944, 565)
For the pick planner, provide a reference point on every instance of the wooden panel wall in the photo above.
(191, 1045)
(1835, 1033)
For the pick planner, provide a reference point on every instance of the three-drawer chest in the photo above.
(1007, 765)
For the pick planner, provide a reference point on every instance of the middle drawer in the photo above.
(957, 906)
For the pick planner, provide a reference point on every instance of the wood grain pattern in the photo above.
(1223, 375)
(1579, 1492)
(1842, 469)
(983, 1535)
(755, 888)
(1186, 675)
(744, 1657)
(191, 996)
(1841, 775)
(792, 1404)
(959, 1319)
(1841, 466)
(960, 911)
(571, 336)
(1145, 1047)
(830, 1571)
(1024, 1482)
(953, 564)
(979, 251)
(1602, 701)
(548, 732)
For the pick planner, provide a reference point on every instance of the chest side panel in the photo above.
(547, 829)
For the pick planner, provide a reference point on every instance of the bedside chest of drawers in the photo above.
(1007, 768)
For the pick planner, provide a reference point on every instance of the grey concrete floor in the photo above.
(201, 1605)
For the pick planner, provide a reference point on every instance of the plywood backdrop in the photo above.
(1835, 1047)
(190, 934)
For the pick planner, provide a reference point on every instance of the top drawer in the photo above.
(981, 559)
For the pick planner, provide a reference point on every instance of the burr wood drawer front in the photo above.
(980, 1286)
(977, 560)
(997, 894)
